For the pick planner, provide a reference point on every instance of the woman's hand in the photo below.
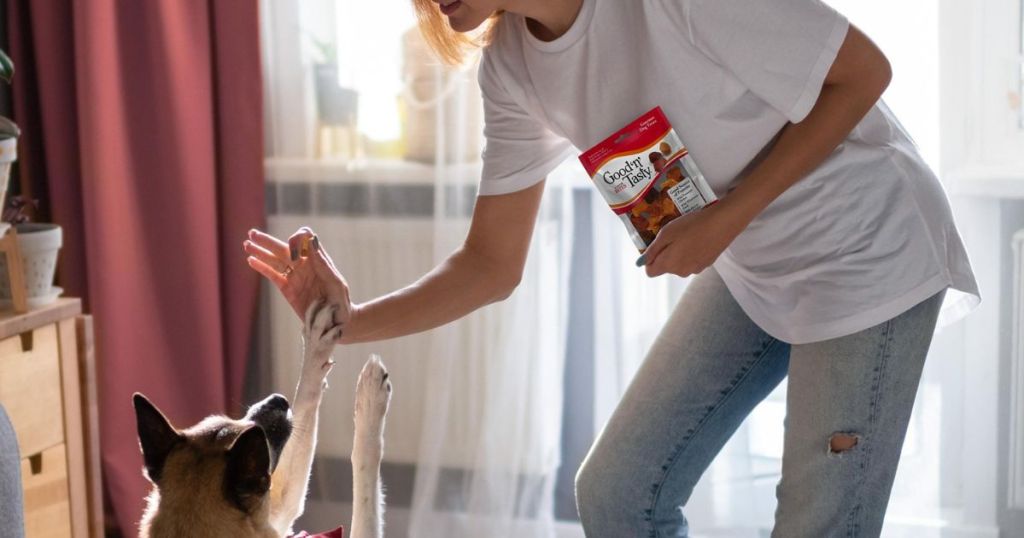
(689, 244)
(302, 277)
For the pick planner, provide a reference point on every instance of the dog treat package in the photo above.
(647, 176)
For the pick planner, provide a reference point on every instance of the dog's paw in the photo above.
(373, 394)
(319, 335)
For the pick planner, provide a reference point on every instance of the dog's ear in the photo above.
(156, 436)
(247, 474)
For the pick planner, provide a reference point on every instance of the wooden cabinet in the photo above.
(46, 386)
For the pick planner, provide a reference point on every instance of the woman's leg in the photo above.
(707, 369)
(848, 406)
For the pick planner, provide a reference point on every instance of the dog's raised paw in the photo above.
(320, 335)
(373, 394)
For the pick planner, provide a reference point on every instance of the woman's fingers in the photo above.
(651, 255)
(303, 237)
(658, 261)
(272, 274)
(322, 253)
(656, 268)
(270, 243)
(664, 238)
(323, 266)
(265, 256)
(291, 266)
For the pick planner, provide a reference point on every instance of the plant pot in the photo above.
(8, 154)
(39, 244)
(336, 106)
(436, 95)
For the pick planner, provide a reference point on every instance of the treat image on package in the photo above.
(647, 176)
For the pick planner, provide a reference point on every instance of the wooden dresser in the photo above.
(47, 387)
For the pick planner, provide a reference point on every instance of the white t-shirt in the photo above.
(861, 239)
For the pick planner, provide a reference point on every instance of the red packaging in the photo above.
(647, 176)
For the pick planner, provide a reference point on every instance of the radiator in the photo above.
(362, 251)
(382, 236)
(1015, 495)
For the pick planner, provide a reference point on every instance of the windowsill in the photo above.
(988, 181)
(976, 181)
(377, 171)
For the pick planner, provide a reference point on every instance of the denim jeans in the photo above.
(708, 368)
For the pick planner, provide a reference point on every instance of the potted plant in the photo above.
(39, 244)
(336, 132)
(8, 136)
(336, 106)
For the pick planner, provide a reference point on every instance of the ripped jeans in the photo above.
(848, 404)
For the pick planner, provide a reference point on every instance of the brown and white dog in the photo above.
(248, 477)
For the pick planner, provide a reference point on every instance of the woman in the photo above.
(827, 258)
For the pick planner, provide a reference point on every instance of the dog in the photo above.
(249, 477)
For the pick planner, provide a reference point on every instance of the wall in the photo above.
(1011, 521)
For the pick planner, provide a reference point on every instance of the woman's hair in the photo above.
(450, 46)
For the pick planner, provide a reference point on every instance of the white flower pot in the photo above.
(39, 245)
(8, 154)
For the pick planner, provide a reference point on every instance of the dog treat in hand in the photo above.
(647, 176)
(303, 249)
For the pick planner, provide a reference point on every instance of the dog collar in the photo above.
(336, 533)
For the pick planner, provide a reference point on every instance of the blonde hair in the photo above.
(450, 46)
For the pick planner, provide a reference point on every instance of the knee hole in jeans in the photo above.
(841, 442)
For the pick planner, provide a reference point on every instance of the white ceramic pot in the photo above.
(40, 243)
(8, 154)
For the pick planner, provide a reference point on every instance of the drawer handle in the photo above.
(26, 341)
(35, 463)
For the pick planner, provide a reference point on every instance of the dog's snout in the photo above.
(277, 402)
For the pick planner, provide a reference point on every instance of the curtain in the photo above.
(491, 442)
(481, 419)
(473, 435)
(144, 131)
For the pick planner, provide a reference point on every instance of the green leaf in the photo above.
(8, 129)
(6, 66)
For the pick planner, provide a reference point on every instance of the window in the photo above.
(344, 93)
(1020, 74)
(982, 51)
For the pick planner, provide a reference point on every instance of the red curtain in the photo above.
(143, 124)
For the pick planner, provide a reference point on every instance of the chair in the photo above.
(11, 522)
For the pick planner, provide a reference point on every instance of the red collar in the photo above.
(336, 533)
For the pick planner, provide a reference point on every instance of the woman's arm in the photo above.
(855, 82)
(486, 269)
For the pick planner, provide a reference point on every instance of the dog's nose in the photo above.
(278, 402)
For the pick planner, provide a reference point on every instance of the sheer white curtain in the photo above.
(473, 436)
(490, 445)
